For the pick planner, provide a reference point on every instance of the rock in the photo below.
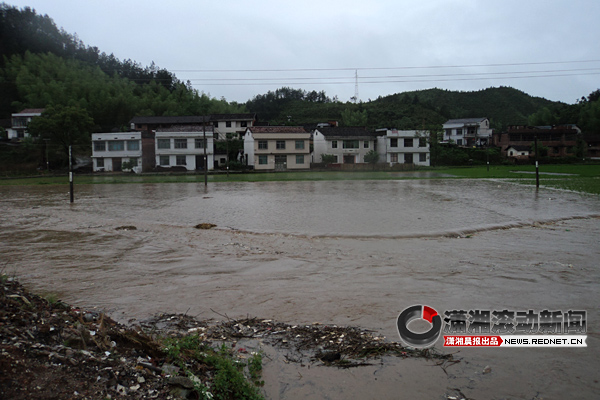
(205, 226)
(487, 369)
(126, 228)
(169, 369)
(181, 381)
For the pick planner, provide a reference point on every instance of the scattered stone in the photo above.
(487, 370)
(126, 228)
(205, 225)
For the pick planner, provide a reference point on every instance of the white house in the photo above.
(404, 147)
(111, 150)
(277, 148)
(184, 146)
(468, 132)
(19, 122)
(348, 144)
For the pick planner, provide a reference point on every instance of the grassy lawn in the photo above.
(581, 178)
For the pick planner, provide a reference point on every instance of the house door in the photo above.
(349, 159)
(116, 164)
(408, 158)
(280, 163)
(199, 163)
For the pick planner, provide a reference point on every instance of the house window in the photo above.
(99, 146)
(280, 145)
(350, 144)
(263, 145)
(244, 124)
(163, 144)
(199, 143)
(448, 132)
(393, 157)
(116, 145)
(393, 142)
(228, 124)
(471, 131)
(99, 162)
(459, 132)
(181, 144)
(133, 145)
(299, 159)
(459, 142)
(300, 145)
(408, 158)
(216, 124)
(180, 160)
(334, 144)
(511, 153)
(366, 144)
(408, 142)
(422, 157)
(263, 160)
(164, 161)
(422, 142)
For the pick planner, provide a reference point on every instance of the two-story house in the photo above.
(404, 147)
(19, 122)
(111, 150)
(467, 132)
(185, 146)
(560, 140)
(348, 144)
(277, 148)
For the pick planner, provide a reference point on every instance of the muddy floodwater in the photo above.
(347, 253)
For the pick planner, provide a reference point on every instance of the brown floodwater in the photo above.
(346, 253)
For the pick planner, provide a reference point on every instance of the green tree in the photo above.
(64, 126)
(372, 157)
(354, 118)
(328, 158)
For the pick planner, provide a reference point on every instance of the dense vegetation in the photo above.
(42, 66)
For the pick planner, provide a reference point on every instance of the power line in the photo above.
(387, 68)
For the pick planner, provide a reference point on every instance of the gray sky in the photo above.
(548, 48)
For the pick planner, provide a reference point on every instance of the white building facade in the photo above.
(470, 132)
(120, 151)
(348, 144)
(20, 121)
(185, 146)
(404, 147)
(277, 148)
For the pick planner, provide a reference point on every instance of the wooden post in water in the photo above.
(71, 173)
(205, 156)
(537, 168)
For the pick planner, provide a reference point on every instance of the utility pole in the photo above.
(537, 168)
(355, 86)
(205, 144)
(47, 160)
(71, 173)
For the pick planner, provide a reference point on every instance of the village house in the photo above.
(277, 148)
(349, 145)
(467, 132)
(111, 151)
(185, 146)
(403, 147)
(19, 122)
(559, 140)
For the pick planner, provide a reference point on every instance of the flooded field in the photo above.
(346, 253)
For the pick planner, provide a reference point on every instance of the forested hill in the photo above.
(409, 110)
(42, 65)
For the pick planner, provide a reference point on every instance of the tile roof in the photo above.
(32, 111)
(186, 128)
(348, 131)
(464, 120)
(169, 120)
(277, 129)
(232, 117)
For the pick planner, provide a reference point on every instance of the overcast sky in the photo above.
(237, 49)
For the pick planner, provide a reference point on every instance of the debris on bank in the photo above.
(49, 349)
(205, 225)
